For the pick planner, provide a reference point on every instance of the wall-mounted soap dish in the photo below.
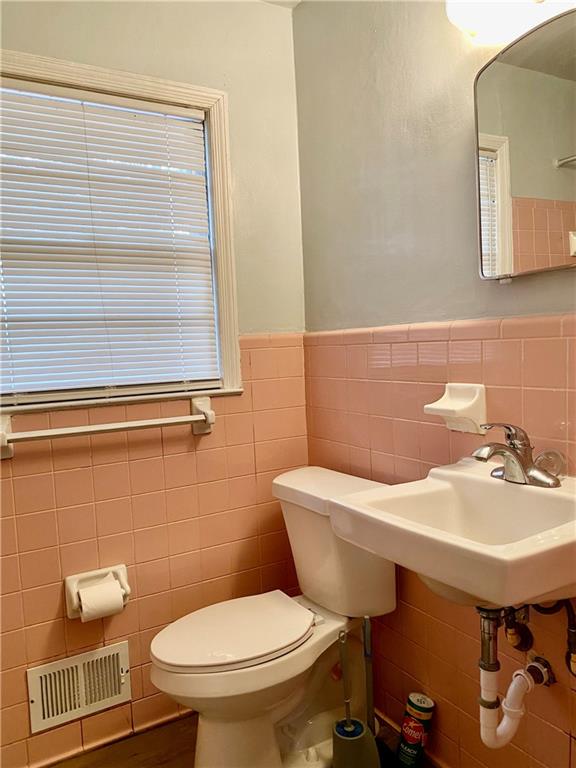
(462, 406)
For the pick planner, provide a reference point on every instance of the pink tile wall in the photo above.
(365, 393)
(192, 517)
(540, 233)
(195, 520)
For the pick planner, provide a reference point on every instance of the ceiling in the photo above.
(550, 49)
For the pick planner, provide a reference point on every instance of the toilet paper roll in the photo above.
(103, 598)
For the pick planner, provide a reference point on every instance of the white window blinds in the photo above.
(106, 272)
(489, 213)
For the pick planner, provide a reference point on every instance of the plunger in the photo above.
(352, 742)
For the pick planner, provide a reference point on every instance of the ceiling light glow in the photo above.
(491, 22)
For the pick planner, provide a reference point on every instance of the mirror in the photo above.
(526, 124)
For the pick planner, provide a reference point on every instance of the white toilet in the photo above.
(248, 664)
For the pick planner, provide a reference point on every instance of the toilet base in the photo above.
(240, 743)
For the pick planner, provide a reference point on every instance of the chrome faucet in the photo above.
(519, 464)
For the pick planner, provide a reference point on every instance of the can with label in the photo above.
(415, 727)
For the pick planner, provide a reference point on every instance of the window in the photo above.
(495, 206)
(116, 273)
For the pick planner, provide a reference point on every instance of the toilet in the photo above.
(253, 667)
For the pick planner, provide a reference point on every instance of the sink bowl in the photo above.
(473, 538)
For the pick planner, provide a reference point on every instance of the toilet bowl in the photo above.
(245, 665)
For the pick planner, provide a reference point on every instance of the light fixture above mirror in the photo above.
(488, 22)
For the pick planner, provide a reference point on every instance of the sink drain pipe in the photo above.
(496, 732)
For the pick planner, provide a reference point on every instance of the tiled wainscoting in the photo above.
(195, 520)
(365, 394)
(193, 517)
(540, 230)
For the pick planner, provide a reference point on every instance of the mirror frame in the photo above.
(505, 277)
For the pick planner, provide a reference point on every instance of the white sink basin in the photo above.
(473, 538)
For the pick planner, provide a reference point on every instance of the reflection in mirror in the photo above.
(526, 116)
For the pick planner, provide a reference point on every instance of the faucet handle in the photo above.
(515, 436)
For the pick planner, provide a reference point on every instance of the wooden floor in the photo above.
(172, 746)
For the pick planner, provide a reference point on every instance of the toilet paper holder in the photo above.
(80, 580)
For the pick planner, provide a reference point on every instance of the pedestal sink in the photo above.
(473, 538)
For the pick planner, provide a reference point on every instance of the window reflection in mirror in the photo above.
(526, 114)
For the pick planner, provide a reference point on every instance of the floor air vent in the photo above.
(78, 686)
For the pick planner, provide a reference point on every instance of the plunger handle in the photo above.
(343, 645)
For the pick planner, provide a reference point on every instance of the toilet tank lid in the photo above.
(312, 487)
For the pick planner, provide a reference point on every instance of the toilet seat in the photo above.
(234, 634)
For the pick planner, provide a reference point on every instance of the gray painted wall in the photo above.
(386, 126)
(538, 114)
(243, 48)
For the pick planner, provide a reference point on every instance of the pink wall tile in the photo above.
(9, 574)
(182, 503)
(40, 567)
(277, 424)
(390, 333)
(36, 531)
(43, 604)
(211, 465)
(433, 361)
(105, 726)
(79, 556)
(73, 487)
(113, 516)
(148, 509)
(465, 361)
(536, 326)
(545, 363)
(151, 543)
(57, 744)
(185, 569)
(180, 470)
(153, 576)
(11, 612)
(8, 541)
(14, 689)
(45, 641)
(277, 454)
(145, 443)
(111, 481)
(109, 448)
(183, 536)
(475, 329)
(115, 549)
(239, 428)
(429, 331)
(198, 523)
(13, 649)
(229, 558)
(545, 413)
(502, 362)
(405, 439)
(14, 755)
(33, 494)
(14, 723)
(281, 393)
(76, 524)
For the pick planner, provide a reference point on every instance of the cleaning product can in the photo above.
(415, 727)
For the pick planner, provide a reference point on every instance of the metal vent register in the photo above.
(78, 686)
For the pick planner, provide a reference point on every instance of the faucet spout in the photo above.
(513, 469)
(485, 452)
(519, 465)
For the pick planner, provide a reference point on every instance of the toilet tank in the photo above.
(331, 572)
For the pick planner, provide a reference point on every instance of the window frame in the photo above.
(499, 146)
(86, 79)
